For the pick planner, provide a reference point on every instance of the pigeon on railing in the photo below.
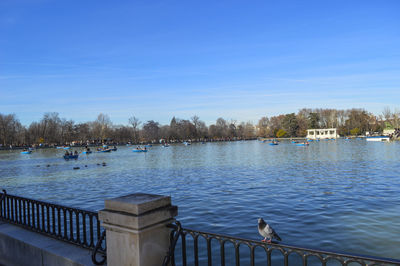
(267, 231)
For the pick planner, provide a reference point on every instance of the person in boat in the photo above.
(145, 148)
(76, 152)
(87, 149)
(66, 153)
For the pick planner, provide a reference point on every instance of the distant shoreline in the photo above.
(119, 144)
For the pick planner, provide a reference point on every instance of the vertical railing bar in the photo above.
(84, 228)
(15, 210)
(304, 260)
(37, 216)
(28, 205)
(77, 227)
(8, 207)
(43, 227)
(24, 210)
(183, 236)
(269, 263)
(209, 254)
(12, 209)
(48, 218)
(59, 221)
(53, 218)
(20, 216)
(196, 250)
(286, 259)
(252, 259)
(91, 244)
(237, 255)
(222, 246)
(33, 214)
(65, 236)
(71, 225)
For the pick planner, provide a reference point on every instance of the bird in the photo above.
(267, 231)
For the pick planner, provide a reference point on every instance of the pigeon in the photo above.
(266, 231)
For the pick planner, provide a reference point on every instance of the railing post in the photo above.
(136, 226)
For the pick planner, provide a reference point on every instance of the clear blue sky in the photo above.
(233, 59)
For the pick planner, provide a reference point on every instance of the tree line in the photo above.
(53, 130)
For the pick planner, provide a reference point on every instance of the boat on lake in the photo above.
(140, 150)
(86, 152)
(186, 143)
(273, 143)
(378, 138)
(71, 156)
(302, 144)
(103, 150)
(26, 152)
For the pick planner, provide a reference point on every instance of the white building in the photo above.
(387, 132)
(323, 133)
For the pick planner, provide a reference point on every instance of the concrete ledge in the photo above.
(135, 222)
(22, 247)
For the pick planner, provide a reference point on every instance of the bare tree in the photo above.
(387, 113)
(8, 128)
(102, 126)
(135, 122)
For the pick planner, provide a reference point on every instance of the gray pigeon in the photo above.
(266, 231)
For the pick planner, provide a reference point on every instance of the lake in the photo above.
(335, 195)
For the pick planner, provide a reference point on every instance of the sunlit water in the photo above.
(335, 195)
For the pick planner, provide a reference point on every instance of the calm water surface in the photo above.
(336, 195)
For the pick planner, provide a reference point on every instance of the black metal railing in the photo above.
(73, 225)
(203, 248)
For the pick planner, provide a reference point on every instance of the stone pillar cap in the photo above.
(137, 203)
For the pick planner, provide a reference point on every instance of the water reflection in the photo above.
(339, 195)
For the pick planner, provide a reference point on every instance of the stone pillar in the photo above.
(136, 229)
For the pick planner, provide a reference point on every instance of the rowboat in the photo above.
(26, 152)
(273, 143)
(302, 144)
(68, 157)
(104, 150)
(86, 152)
(139, 150)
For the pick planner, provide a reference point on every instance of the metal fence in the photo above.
(203, 248)
(187, 247)
(73, 225)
